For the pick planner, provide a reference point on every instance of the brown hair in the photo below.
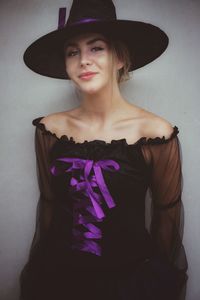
(120, 51)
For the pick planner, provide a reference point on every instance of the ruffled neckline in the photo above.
(140, 141)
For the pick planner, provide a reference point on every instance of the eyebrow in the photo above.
(88, 42)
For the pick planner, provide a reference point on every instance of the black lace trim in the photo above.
(140, 141)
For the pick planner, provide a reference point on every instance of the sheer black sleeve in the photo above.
(45, 205)
(167, 218)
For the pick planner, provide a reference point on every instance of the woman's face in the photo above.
(89, 64)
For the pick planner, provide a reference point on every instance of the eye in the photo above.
(72, 53)
(95, 49)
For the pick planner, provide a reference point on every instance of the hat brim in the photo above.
(145, 42)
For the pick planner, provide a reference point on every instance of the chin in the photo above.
(93, 89)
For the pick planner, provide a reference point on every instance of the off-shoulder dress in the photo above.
(109, 220)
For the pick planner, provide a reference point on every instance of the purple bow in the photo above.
(86, 183)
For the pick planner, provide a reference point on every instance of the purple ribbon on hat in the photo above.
(84, 240)
(82, 21)
(62, 17)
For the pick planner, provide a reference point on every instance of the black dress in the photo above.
(96, 236)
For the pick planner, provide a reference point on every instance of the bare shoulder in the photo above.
(156, 126)
(54, 120)
(49, 121)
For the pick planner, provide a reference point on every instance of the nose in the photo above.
(84, 59)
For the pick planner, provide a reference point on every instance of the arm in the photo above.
(165, 185)
(45, 206)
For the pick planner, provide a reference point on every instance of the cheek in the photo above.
(105, 64)
(69, 69)
(109, 69)
(67, 65)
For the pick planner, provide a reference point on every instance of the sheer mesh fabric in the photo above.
(167, 214)
(45, 205)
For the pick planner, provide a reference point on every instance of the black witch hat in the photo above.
(145, 41)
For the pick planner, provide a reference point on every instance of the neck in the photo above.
(100, 108)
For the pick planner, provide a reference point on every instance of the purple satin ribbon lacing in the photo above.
(83, 240)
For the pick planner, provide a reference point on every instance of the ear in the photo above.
(119, 64)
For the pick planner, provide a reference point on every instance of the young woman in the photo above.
(95, 164)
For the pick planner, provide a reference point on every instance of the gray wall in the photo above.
(167, 87)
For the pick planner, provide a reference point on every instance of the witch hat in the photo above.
(144, 41)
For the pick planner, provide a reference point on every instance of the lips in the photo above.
(87, 75)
